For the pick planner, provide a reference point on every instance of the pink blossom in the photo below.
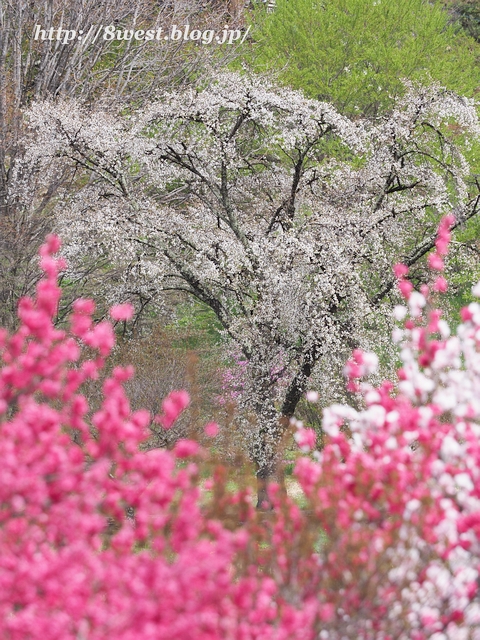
(211, 429)
(122, 311)
(305, 438)
(186, 448)
(85, 306)
(172, 407)
(400, 270)
(406, 288)
(440, 285)
(435, 262)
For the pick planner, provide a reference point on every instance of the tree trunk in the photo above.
(272, 470)
(266, 475)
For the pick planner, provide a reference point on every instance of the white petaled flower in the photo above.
(476, 290)
(370, 362)
(399, 312)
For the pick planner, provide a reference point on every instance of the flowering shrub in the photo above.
(387, 549)
(233, 379)
(167, 570)
(396, 488)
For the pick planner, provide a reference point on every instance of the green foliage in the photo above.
(355, 53)
(198, 325)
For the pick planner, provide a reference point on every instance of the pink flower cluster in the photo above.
(97, 539)
(233, 379)
(396, 488)
(172, 407)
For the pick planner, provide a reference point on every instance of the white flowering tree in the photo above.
(272, 209)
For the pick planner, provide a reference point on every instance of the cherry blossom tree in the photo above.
(274, 210)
